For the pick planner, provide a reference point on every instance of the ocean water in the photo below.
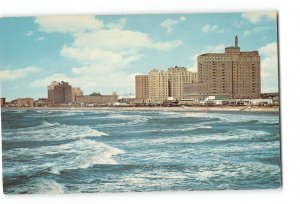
(72, 151)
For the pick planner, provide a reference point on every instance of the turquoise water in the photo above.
(52, 151)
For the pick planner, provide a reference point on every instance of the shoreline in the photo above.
(141, 108)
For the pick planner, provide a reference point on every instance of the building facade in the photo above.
(97, 99)
(23, 102)
(234, 74)
(195, 91)
(141, 87)
(75, 93)
(2, 102)
(59, 93)
(41, 102)
(168, 85)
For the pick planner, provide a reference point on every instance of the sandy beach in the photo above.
(156, 108)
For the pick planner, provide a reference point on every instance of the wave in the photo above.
(81, 153)
(120, 120)
(230, 175)
(37, 185)
(224, 117)
(234, 136)
(218, 118)
(185, 129)
(51, 132)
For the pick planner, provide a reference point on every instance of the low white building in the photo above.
(216, 100)
(257, 102)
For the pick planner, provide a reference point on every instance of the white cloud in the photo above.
(40, 38)
(238, 24)
(254, 30)
(214, 49)
(255, 17)
(121, 82)
(119, 24)
(269, 67)
(68, 24)
(46, 81)
(13, 74)
(212, 28)
(168, 24)
(103, 51)
(182, 18)
(29, 33)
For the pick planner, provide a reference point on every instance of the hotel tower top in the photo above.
(234, 74)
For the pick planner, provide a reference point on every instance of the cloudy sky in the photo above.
(103, 53)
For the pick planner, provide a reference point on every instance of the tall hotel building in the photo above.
(76, 92)
(141, 87)
(59, 92)
(165, 85)
(233, 74)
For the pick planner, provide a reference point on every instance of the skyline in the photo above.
(104, 53)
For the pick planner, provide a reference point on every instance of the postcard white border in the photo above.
(289, 32)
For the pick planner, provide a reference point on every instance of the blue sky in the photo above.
(103, 53)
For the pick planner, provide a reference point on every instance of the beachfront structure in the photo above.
(168, 85)
(233, 74)
(41, 102)
(22, 102)
(75, 93)
(141, 87)
(59, 92)
(97, 99)
(2, 102)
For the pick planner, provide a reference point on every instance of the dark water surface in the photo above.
(54, 151)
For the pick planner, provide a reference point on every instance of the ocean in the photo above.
(85, 151)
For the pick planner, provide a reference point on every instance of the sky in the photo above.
(104, 53)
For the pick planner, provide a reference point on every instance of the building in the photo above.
(195, 91)
(2, 102)
(59, 93)
(75, 93)
(168, 85)
(233, 74)
(141, 87)
(41, 102)
(97, 99)
(158, 85)
(22, 102)
(216, 100)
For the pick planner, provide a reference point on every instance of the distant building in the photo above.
(216, 100)
(97, 99)
(41, 102)
(59, 92)
(75, 93)
(23, 102)
(141, 87)
(234, 74)
(168, 85)
(2, 102)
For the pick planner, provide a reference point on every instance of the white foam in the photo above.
(230, 136)
(82, 153)
(40, 185)
(225, 117)
(127, 120)
(49, 187)
(52, 132)
(204, 175)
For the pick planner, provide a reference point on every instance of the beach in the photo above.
(159, 108)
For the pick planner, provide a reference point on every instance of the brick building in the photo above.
(234, 74)
(59, 93)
